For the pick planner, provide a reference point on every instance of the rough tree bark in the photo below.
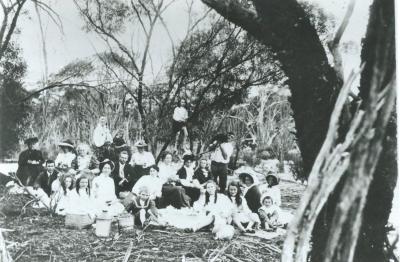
(379, 202)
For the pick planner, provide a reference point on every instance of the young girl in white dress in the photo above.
(103, 190)
(61, 199)
(241, 213)
(81, 200)
(213, 206)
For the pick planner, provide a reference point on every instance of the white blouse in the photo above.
(101, 134)
(65, 159)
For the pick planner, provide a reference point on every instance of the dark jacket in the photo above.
(129, 175)
(44, 181)
(199, 175)
(27, 172)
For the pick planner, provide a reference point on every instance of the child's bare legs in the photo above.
(238, 223)
(254, 220)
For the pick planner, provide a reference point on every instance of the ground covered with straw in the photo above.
(36, 236)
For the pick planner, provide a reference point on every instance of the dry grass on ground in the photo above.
(44, 238)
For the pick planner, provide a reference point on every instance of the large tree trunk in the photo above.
(379, 202)
(378, 51)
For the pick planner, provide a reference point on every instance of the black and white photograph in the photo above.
(199, 130)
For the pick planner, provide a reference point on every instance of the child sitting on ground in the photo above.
(142, 207)
(269, 213)
(241, 212)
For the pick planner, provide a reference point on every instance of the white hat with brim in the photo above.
(66, 144)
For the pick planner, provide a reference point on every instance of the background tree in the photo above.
(12, 115)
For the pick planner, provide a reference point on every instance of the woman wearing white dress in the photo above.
(241, 214)
(103, 190)
(101, 133)
(67, 155)
(167, 168)
(213, 206)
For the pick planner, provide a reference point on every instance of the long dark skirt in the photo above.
(193, 193)
(174, 196)
(28, 174)
(252, 197)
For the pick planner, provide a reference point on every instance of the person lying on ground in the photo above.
(85, 160)
(123, 176)
(30, 162)
(212, 205)
(67, 154)
(46, 177)
(241, 213)
(104, 190)
(143, 207)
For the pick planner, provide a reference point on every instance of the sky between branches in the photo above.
(74, 43)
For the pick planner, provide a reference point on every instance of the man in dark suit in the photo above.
(47, 177)
(123, 175)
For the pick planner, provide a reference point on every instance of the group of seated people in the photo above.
(133, 183)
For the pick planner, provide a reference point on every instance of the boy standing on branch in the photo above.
(179, 123)
(222, 150)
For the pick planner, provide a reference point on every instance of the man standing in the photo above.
(220, 158)
(29, 163)
(123, 175)
(47, 177)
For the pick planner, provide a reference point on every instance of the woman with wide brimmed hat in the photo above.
(30, 162)
(67, 153)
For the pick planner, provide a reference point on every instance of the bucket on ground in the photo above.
(103, 225)
(78, 221)
(126, 222)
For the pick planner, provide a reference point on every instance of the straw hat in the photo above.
(67, 143)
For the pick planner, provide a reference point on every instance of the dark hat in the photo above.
(140, 143)
(31, 140)
(188, 157)
(107, 161)
(119, 142)
(67, 143)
